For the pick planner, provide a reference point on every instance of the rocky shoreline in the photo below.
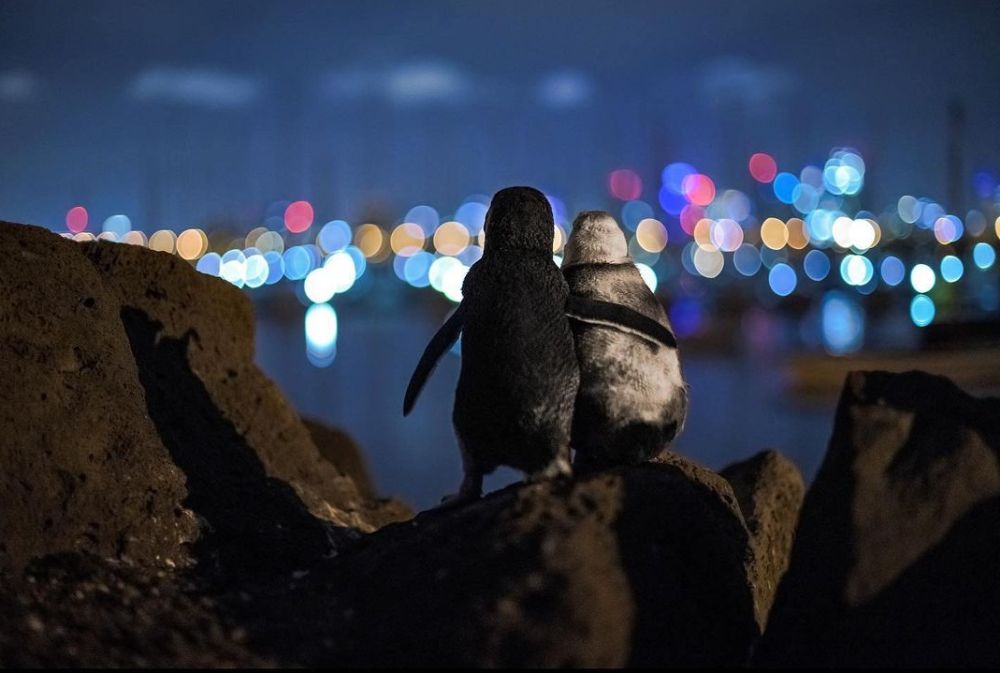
(164, 505)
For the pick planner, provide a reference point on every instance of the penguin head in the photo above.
(519, 218)
(596, 239)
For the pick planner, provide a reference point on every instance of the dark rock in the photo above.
(339, 449)
(895, 559)
(82, 465)
(769, 489)
(212, 321)
(73, 610)
(641, 566)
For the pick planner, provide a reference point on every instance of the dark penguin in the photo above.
(519, 377)
(632, 400)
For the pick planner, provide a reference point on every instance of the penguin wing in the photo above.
(439, 344)
(620, 317)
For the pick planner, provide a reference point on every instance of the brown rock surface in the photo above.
(895, 559)
(73, 611)
(165, 297)
(769, 489)
(338, 448)
(641, 566)
(82, 465)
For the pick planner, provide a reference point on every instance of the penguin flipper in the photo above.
(617, 315)
(446, 336)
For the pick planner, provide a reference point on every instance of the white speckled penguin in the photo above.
(632, 401)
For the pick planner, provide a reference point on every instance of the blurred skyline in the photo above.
(184, 113)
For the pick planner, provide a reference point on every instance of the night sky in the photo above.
(188, 113)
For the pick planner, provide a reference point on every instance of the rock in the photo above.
(163, 297)
(83, 466)
(75, 610)
(337, 448)
(895, 559)
(641, 566)
(769, 489)
(137, 425)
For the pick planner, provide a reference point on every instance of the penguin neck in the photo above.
(598, 263)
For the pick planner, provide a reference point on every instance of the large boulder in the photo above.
(896, 556)
(769, 489)
(135, 423)
(164, 300)
(642, 566)
(83, 467)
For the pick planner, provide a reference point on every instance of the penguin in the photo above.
(517, 387)
(519, 374)
(632, 400)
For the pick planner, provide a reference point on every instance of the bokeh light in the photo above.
(948, 229)
(816, 265)
(321, 334)
(635, 212)
(856, 270)
(651, 235)
(119, 225)
(133, 237)
(320, 285)
(163, 240)
(473, 215)
(256, 271)
(648, 275)
(416, 268)
(784, 187)
(210, 264)
(843, 323)
(298, 263)
(625, 184)
(797, 237)
(782, 279)
(674, 175)
(922, 310)
(451, 238)
(909, 209)
(747, 260)
(407, 239)
(774, 233)
(984, 255)
(298, 216)
(726, 235)
(77, 219)
(335, 235)
(192, 244)
(708, 262)
(343, 271)
(951, 268)
(371, 241)
(763, 168)
(425, 217)
(893, 271)
(698, 189)
(922, 278)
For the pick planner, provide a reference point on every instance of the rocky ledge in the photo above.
(163, 505)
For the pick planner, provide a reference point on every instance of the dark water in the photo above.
(738, 403)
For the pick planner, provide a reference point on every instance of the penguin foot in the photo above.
(470, 490)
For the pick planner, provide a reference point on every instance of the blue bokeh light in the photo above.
(782, 279)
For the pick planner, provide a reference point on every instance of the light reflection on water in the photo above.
(738, 406)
